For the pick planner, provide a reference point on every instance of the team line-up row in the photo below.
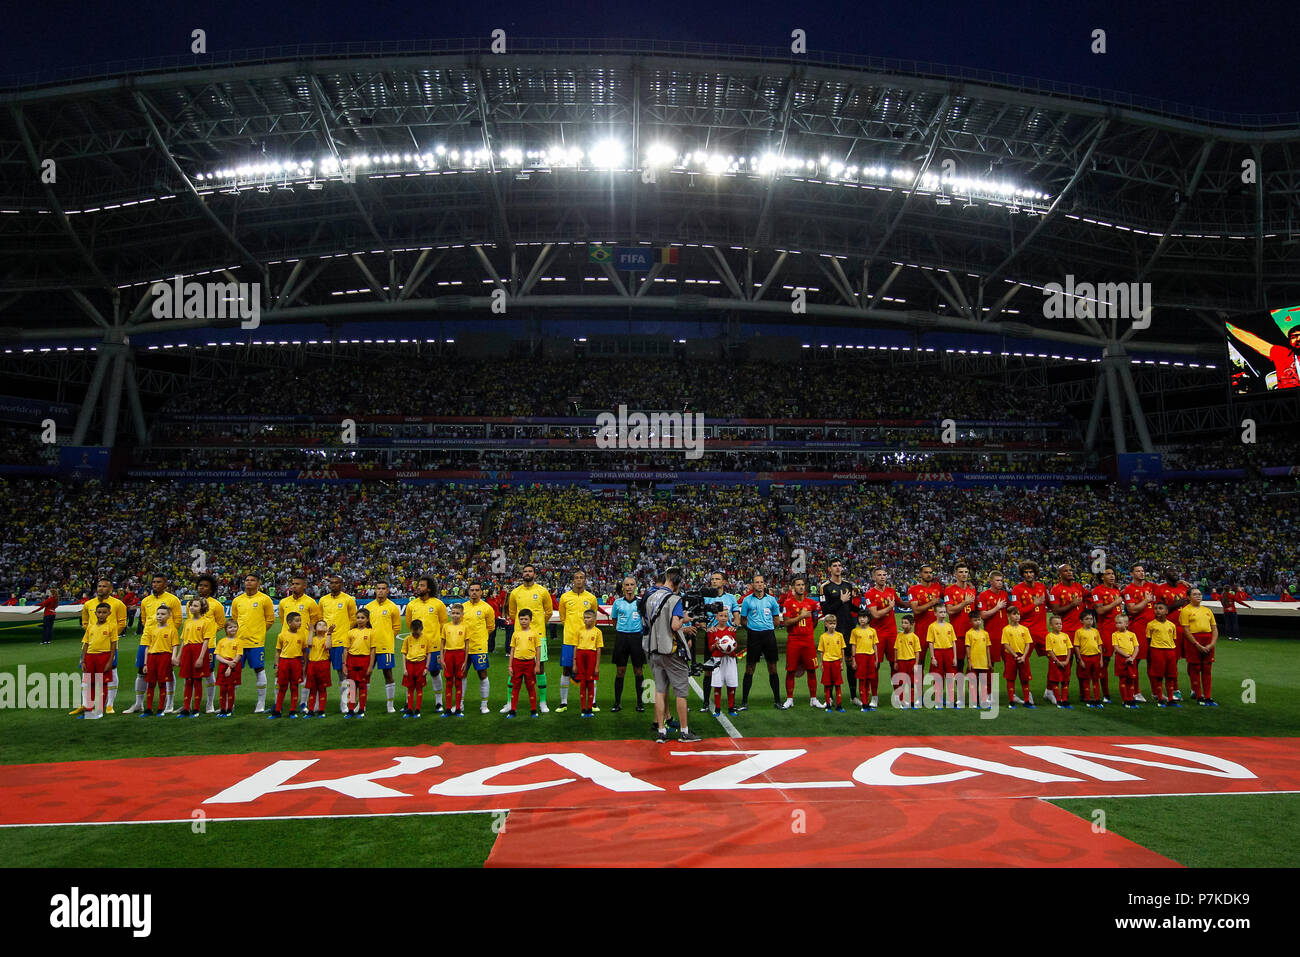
(1168, 623)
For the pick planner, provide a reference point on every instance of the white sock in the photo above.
(302, 693)
(112, 690)
(564, 689)
(437, 687)
(171, 695)
(140, 687)
(209, 693)
(390, 690)
(261, 690)
(483, 685)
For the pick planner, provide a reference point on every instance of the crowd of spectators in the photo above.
(67, 535)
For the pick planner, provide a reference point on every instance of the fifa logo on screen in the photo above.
(1105, 300)
(651, 430)
(208, 300)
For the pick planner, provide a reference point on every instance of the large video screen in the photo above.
(1264, 349)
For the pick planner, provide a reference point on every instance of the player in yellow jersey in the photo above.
(431, 612)
(195, 635)
(386, 622)
(907, 672)
(1060, 651)
(979, 659)
(254, 612)
(537, 599)
(98, 646)
(339, 610)
(1017, 643)
(118, 617)
(206, 587)
(415, 652)
(1087, 650)
(318, 669)
(830, 653)
(229, 668)
(159, 596)
(307, 608)
(1162, 656)
(586, 661)
(1200, 635)
(864, 643)
(290, 662)
(454, 664)
(359, 642)
(526, 642)
(573, 606)
(162, 646)
(1125, 645)
(480, 623)
(942, 640)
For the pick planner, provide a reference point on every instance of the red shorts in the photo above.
(887, 643)
(1090, 666)
(288, 671)
(1040, 642)
(235, 676)
(1058, 673)
(800, 654)
(1197, 657)
(318, 675)
(1163, 663)
(867, 665)
(453, 662)
(97, 664)
(1139, 628)
(944, 661)
(960, 649)
(1179, 644)
(194, 660)
(522, 667)
(417, 673)
(1107, 629)
(586, 663)
(832, 673)
(1125, 668)
(358, 666)
(158, 667)
(1011, 667)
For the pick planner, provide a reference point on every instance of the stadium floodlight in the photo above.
(607, 154)
(716, 163)
(769, 163)
(512, 156)
(660, 155)
(835, 169)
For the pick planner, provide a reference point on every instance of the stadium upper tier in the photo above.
(69, 534)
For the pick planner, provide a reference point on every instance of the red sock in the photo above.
(812, 685)
(514, 693)
(1194, 679)
(362, 692)
(731, 697)
(279, 696)
(293, 699)
(1171, 685)
(1105, 679)
(419, 698)
(1206, 680)
(321, 701)
(717, 699)
(789, 685)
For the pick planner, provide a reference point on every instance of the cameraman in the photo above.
(669, 653)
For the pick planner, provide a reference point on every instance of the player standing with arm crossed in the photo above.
(924, 597)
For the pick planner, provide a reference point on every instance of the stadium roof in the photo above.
(898, 194)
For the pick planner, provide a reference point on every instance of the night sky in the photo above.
(1237, 57)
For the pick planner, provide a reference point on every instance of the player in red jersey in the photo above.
(799, 618)
(993, 604)
(1139, 604)
(1030, 598)
(959, 601)
(880, 601)
(1175, 593)
(1107, 603)
(1231, 597)
(923, 597)
(1066, 599)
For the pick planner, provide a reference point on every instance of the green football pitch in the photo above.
(1256, 680)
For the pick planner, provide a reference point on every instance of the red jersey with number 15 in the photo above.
(955, 595)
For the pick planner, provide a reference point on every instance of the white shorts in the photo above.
(725, 671)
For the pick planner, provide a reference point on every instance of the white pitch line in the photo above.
(731, 729)
(1163, 794)
(273, 817)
